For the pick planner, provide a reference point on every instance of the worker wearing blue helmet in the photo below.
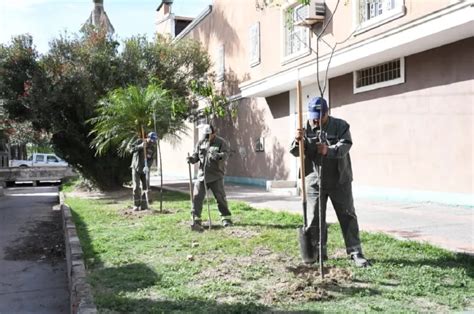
(141, 169)
(327, 161)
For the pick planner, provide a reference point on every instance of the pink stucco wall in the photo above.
(416, 135)
(403, 135)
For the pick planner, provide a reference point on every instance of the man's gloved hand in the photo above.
(214, 153)
(189, 160)
(145, 170)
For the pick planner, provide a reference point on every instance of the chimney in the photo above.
(166, 5)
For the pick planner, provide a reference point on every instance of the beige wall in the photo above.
(267, 118)
(257, 117)
(272, 30)
(403, 137)
(174, 152)
(416, 135)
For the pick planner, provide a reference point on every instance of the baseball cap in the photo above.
(205, 129)
(314, 108)
(152, 136)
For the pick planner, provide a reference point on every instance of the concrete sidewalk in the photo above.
(449, 227)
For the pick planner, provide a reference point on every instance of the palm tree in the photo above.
(126, 112)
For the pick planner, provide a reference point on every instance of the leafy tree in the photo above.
(126, 112)
(129, 113)
(59, 91)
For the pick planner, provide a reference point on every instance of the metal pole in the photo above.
(160, 167)
(190, 187)
(145, 191)
(205, 183)
(320, 206)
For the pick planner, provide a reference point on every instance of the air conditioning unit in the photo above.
(316, 12)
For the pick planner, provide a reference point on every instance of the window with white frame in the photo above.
(381, 75)
(372, 12)
(296, 37)
(220, 65)
(254, 44)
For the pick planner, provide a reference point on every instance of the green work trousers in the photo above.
(139, 196)
(217, 188)
(343, 203)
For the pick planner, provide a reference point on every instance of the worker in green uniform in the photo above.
(141, 170)
(333, 145)
(211, 152)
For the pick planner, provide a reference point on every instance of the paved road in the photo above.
(448, 227)
(30, 282)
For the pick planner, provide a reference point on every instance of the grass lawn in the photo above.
(151, 262)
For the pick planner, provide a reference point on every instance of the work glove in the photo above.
(145, 170)
(214, 153)
(189, 160)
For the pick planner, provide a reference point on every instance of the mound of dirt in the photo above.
(282, 278)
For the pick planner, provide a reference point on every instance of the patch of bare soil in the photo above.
(307, 285)
(241, 232)
(129, 212)
(283, 279)
(44, 242)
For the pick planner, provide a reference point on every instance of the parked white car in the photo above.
(39, 160)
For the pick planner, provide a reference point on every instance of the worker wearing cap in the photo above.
(336, 180)
(211, 152)
(141, 170)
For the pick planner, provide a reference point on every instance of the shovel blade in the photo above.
(308, 250)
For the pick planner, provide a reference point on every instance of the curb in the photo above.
(80, 292)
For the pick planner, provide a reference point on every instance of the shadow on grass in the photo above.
(270, 225)
(114, 283)
(120, 304)
(130, 277)
(351, 290)
(458, 260)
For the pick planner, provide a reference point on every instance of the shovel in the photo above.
(307, 249)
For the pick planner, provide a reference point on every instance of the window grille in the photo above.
(370, 9)
(380, 75)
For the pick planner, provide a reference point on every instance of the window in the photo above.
(220, 65)
(39, 158)
(254, 44)
(380, 75)
(371, 13)
(260, 144)
(296, 37)
(51, 159)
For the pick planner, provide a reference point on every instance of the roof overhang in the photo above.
(194, 23)
(437, 29)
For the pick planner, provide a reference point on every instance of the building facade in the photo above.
(399, 71)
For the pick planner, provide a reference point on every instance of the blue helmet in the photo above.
(153, 136)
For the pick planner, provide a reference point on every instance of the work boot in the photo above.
(196, 226)
(136, 208)
(359, 260)
(226, 222)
